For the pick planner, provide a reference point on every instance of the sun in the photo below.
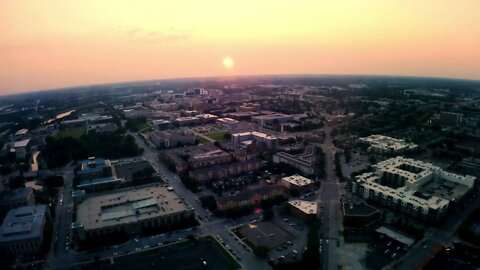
(228, 62)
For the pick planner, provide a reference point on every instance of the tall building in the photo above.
(245, 138)
(22, 230)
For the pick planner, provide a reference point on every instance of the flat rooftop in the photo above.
(128, 206)
(23, 223)
(362, 209)
(307, 207)
(400, 237)
(298, 180)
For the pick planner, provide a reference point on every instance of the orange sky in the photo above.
(57, 43)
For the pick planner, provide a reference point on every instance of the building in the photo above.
(210, 158)
(304, 210)
(187, 120)
(169, 139)
(359, 215)
(14, 198)
(161, 124)
(450, 119)
(359, 221)
(249, 197)
(388, 145)
(246, 138)
(298, 183)
(271, 119)
(400, 239)
(227, 122)
(225, 170)
(96, 174)
(22, 230)
(129, 212)
(20, 134)
(207, 118)
(419, 189)
(305, 162)
(21, 148)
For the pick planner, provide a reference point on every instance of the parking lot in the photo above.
(205, 253)
(265, 233)
(383, 251)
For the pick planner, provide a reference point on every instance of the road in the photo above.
(59, 255)
(330, 206)
(435, 239)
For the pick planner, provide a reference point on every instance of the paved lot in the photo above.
(185, 255)
(265, 233)
(353, 256)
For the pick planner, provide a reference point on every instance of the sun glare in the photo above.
(228, 62)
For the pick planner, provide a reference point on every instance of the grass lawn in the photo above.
(217, 136)
(71, 132)
(202, 140)
(143, 127)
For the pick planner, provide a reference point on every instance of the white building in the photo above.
(297, 182)
(258, 137)
(388, 145)
(417, 188)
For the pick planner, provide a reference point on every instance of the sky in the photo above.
(60, 43)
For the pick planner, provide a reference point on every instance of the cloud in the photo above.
(158, 36)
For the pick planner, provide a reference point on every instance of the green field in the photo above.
(202, 140)
(179, 256)
(217, 136)
(71, 132)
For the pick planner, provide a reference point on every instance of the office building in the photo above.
(129, 212)
(304, 210)
(22, 230)
(249, 197)
(246, 138)
(388, 145)
(298, 183)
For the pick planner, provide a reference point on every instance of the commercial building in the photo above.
(417, 188)
(210, 158)
(169, 139)
(249, 197)
(207, 118)
(388, 145)
(298, 183)
(305, 162)
(22, 230)
(96, 174)
(270, 119)
(129, 212)
(225, 170)
(304, 210)
(187, 120)
(246, 138)
(14, 198)
(227, 122)
(399, 238)
(21, 148)
(161, 124)
(359, 221)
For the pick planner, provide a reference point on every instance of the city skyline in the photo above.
(71, 43)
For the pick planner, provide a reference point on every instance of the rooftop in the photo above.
(10, 196)
(93, 165)
(310, 208)
(128, 206)
(388, 143)
(297, 180)
(23, 223)
(402, 238)
(22, 143)
(361, 209)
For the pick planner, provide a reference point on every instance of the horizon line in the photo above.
(72, 87)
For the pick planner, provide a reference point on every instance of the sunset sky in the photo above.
(56, 43)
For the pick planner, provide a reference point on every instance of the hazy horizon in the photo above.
(73, 44)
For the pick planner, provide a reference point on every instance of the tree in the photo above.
(53, 181)
(268, 214)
